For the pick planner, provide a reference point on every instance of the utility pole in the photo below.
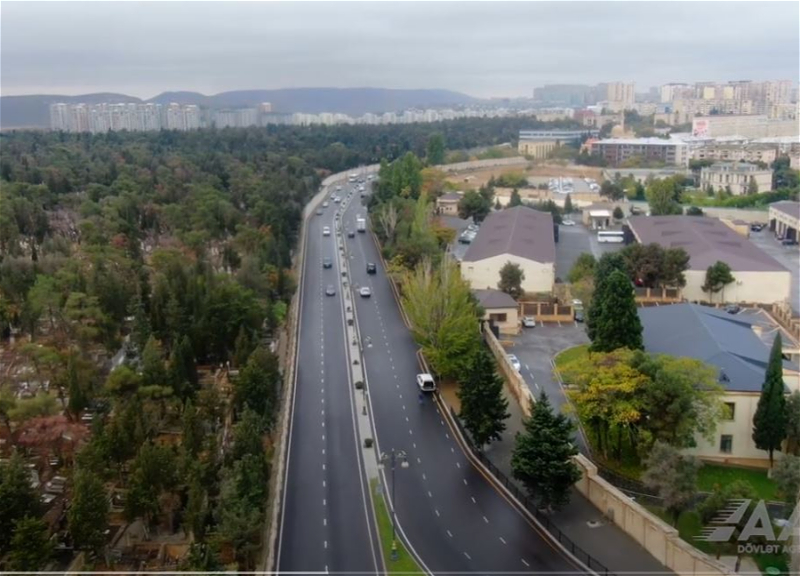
(393, 457)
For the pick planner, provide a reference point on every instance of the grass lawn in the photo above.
(404, 564)
(565, 357)
(711, 475)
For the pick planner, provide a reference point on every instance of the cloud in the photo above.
(481, 48)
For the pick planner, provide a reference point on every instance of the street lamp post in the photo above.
(393, 457)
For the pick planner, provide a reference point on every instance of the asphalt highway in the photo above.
(327, 522)
(454, 520)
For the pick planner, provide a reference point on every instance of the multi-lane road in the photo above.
(451, 516)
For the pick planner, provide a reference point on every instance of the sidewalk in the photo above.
(605, 542)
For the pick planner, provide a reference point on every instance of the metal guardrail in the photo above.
(579, 553)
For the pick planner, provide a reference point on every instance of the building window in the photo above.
(729, 411)
(498, 317)
(726, 443)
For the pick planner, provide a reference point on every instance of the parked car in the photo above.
(733, 308)
(365, 292)
(529, 322)
(330, 290)
(788, 242)
(426, 383)
(756, 227)
(371, 268)
(514, 362)
(319, 211)
(568, 223)
(327, 262)
(579, 316)
(336, 199)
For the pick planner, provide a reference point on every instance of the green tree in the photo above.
(511, 277)
(17, 498)
(153, 473)
(786, 475)
(793, 423)
(31, 548)
(607, 263)
(194, 515)
(515, 200)
(258, 385)
(474, 205)
(242, 348)
(618, 324)
(568, 208)
(618, 213)
(88, 513)
(436, 150)
(153, 371)
(752, 186)
(542, 457)
(718, 275)
(201, 558)
(484, 409)
(769, 421)
(247, 436)
(183, 369)
(443, 315)
(191, 430)
(673, 477)
(661, 198)
(123, 382)
(694, 211)
(612, 190)
(583, 268)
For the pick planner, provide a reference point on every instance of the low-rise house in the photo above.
(447, 204)
(501, 310)
(784, 219)
(736, 177)
(520, 235)
(733, 346)
(758, 277)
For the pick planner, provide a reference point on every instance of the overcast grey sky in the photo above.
(482, 49)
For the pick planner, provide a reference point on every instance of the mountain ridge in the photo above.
(32, 111)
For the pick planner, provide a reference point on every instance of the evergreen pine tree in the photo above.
(605, 266)
(77, 396)
(568, 205)
(618, 324)
(769, 421)
(542, 458)
(483, 406)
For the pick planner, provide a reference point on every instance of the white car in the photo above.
(336, 199)
(529, 322)
(426, 382)
(514, 361)
(365, 292)
(325, 204)
(568, 223)
(326, 231)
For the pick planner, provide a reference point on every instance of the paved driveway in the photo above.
(786, 255)
(575, 240)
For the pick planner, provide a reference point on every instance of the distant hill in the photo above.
(33, 111)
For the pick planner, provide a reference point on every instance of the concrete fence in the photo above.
(546, 311)
(656, 536)
(516, 385)
(484, 164)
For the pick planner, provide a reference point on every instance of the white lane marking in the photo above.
(404, 406)
(323, 466)
(324, 521)
(503, 541)
(323, 484)
(326, 544)
(451, 450)
(406, 416)
(446, 435)
(441, 422)
(429, 494)
(418, 460)
(458, 464)
(473, 500)
(414, 444)
(323, 437)
(468, 556)
(465, 481)
(485, 519)
(410, 433)
(523, 561)
(324, 502)
(424, 478)
(449, 533)
(437, 512)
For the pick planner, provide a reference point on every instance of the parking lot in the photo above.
(574, 240)
(789, 256)
(535, 347)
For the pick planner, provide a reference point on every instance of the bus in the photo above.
(616, 236)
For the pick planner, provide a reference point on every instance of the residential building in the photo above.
(735, 153)
(784, 219)
(671, 92)
(738, 348)
(447, 204)
(500, 310)
(619, 150)
(554, 114)
(540, 143)
(59, 117)
(736, 178)
(520, 235)
(573, 95)
(747, 126)
(620, 95)
(759, 278)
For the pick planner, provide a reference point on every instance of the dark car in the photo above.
(327, 262)
(756, 227)
(733, 308)
(351, 234)
(371, 268)
(579, 316)
(788, 242)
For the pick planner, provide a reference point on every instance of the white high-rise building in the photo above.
(59, 116)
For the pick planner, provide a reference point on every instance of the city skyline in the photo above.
(498, 50)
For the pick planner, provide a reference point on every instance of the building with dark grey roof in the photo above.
(520, 235)
(759, 278)
(784, 219)
(500, 308)
(737, 348)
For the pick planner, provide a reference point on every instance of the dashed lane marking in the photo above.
(485, 519)
(503, 541)
(449, 533)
